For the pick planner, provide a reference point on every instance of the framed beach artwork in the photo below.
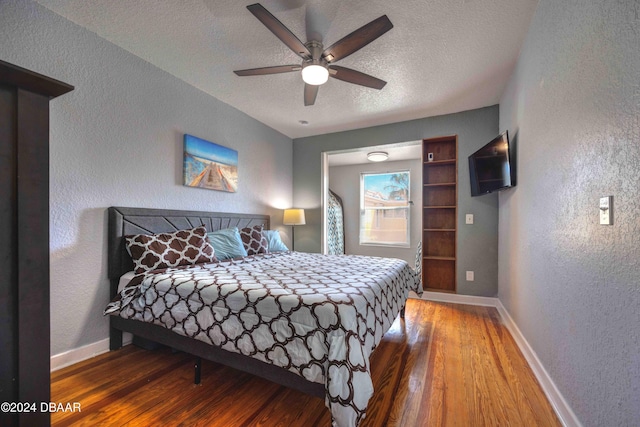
(209, 165)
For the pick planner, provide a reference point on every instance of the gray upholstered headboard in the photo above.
(125, 221)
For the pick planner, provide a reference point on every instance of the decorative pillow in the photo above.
(274, 241)
(183, 247)
(227, 243)
(253, 240)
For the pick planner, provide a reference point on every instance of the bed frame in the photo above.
(124, 221)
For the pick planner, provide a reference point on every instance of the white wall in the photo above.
(572, 285)
(116, 140)
(345, 182)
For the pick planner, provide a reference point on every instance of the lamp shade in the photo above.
(293, 217)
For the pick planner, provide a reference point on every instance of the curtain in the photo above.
(335, 225)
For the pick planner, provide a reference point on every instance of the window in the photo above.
(384, 208)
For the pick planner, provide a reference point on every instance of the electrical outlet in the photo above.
(470, 276)
(469, 219)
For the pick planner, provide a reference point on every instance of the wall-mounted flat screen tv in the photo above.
(490, 167)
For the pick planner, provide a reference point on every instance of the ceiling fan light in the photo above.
(377, 156)
(314, 74)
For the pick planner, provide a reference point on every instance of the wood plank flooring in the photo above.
(444, 365)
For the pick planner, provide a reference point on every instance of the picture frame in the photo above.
(209, 165)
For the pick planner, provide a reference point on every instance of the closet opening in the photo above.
(344, 208)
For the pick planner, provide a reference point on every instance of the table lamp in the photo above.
(293, 217)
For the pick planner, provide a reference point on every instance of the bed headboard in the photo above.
(125, 221)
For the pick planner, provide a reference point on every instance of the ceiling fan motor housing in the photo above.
(315, 70)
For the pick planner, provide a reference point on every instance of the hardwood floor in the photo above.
(444, 365)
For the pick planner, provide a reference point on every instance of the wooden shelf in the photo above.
(439, 290)
(441, 162)
(441, 184)
(439, 214)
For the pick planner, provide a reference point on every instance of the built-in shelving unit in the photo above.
(439, 213)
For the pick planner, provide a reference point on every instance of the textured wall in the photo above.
(117, 140)
(477, 244)
(572, 285)
(345, 182)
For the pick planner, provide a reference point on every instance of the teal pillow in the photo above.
(227, 243)
(274, 242)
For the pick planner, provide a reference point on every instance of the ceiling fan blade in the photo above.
(355, 77)
(280, 31)
(310, 93)
(357, 39)
(268, 70)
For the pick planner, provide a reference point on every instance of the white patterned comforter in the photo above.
(319, 316)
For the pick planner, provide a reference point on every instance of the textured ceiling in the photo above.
(442, 56)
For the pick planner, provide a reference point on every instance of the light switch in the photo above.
(469, 219)
(470, 276)
(606, 210)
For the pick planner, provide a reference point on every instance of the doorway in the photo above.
(341, 171)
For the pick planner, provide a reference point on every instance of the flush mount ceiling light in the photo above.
(377, 156)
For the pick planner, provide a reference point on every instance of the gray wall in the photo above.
(117, 140)
(345, 181)
(477, 244)
(572, 285)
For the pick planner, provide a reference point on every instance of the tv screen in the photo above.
(490, 167)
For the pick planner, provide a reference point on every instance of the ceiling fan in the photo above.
(317, 64)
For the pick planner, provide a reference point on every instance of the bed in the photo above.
(306, 321)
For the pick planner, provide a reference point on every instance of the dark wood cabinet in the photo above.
(439, 213)
(24, 241)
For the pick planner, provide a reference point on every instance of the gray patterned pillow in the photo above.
(182, 247)
(253, 240)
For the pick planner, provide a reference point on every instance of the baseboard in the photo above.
(68, 358)
(561, 407)
(76, 355)
(459, 299)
